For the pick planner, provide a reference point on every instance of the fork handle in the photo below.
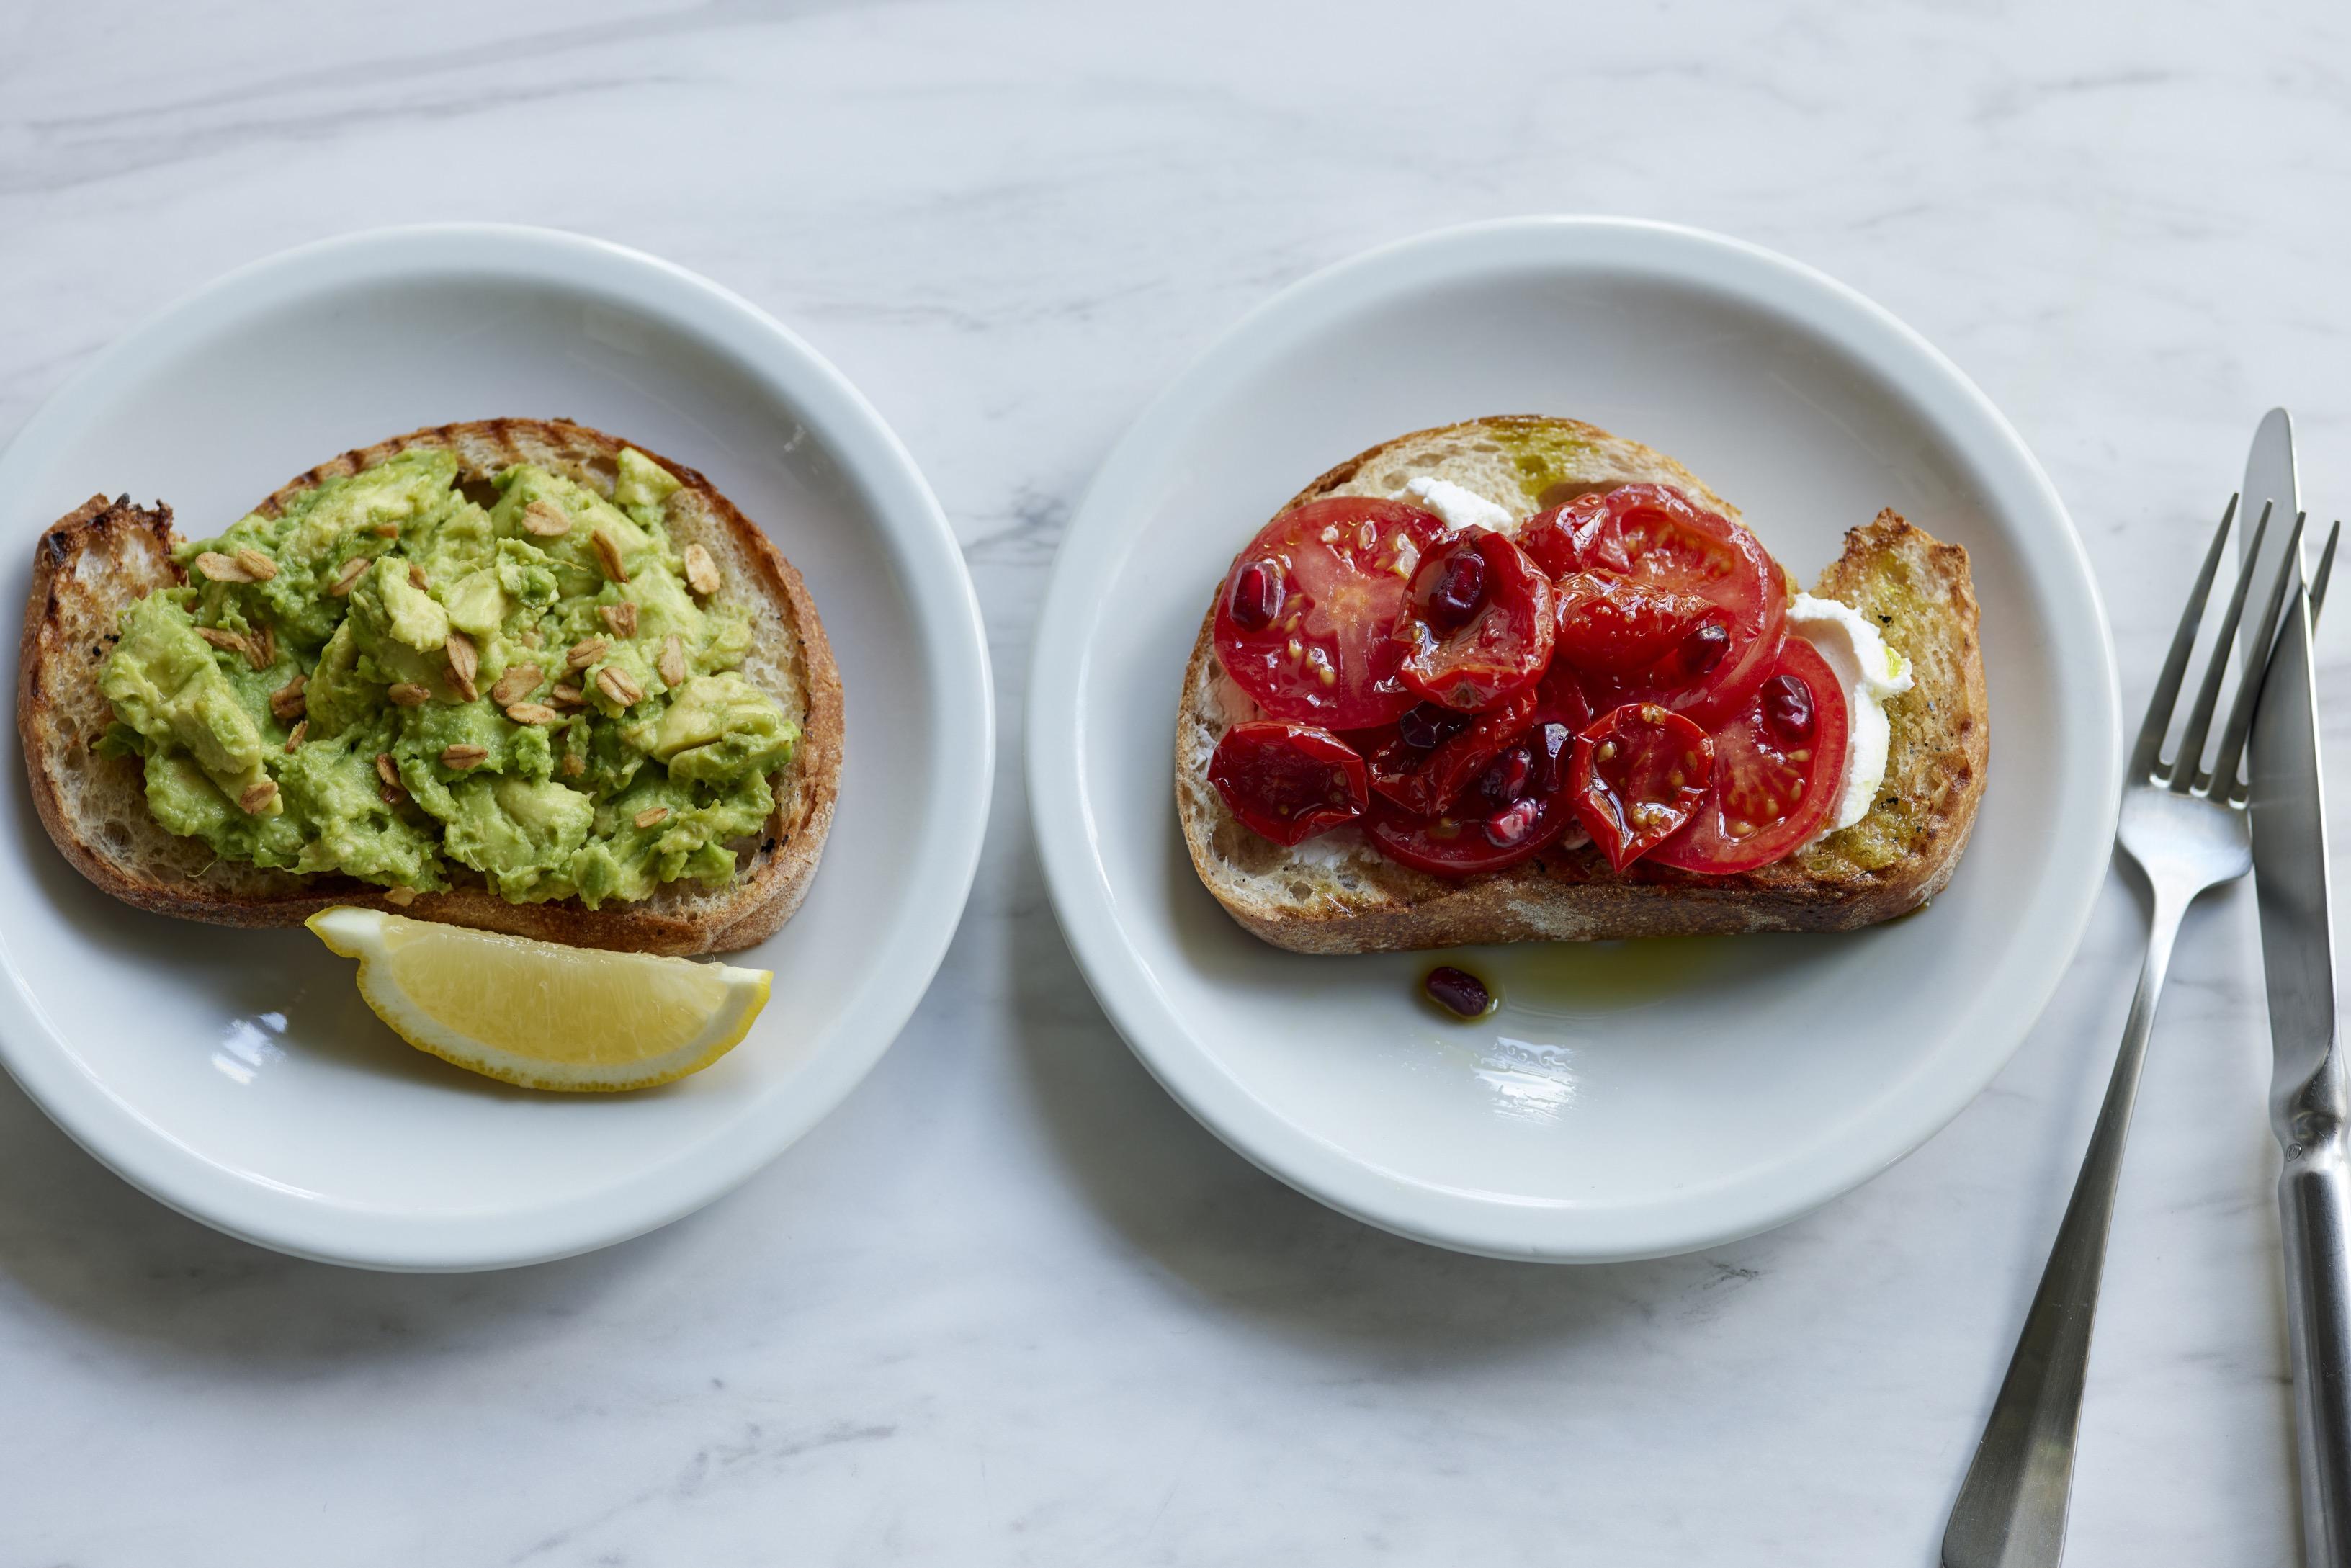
(2010, 1511)
(2315, 1209)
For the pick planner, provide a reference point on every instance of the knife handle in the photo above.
(2315, 1212)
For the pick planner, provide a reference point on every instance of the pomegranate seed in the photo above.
(1427, 727)
(1458, 991)
(1704, 647)
(1505, 783)
(1509, 827)
(1460, 589)
(1257, 595)
(1788, 709)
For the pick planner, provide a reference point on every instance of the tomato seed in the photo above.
(1458, 991)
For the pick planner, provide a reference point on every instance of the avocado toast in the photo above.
(514, 674)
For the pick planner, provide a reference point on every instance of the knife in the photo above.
(2309, 1095)
(2269, 476)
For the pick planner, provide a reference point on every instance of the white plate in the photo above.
(1629, 1100)
(235, 1076)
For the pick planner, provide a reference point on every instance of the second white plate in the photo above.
(1629, 1099)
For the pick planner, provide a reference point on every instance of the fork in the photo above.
(2187, 830)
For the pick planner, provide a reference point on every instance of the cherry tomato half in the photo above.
(1614, 624)
(1653, 537)
(1640, 774)
(1512, 811)
(1478, 625)
(1777, 769)
(1427, 758)
(1306, 620)
(1288, 781)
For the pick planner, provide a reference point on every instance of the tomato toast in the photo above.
(1519, 679)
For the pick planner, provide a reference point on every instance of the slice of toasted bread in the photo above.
(103, 555)
(1336, 894)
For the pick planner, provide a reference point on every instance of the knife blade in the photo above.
(2270, 480)
(2309, 1097)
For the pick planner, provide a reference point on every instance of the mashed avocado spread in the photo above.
(390, 680)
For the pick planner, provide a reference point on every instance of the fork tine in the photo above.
(2189, 757)
(2325, 566)
(2174, 663)
(2223, 778)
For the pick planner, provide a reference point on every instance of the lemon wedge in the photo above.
(540, 1014)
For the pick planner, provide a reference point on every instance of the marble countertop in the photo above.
(1011, 1304)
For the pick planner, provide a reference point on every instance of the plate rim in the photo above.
(1061, 821)
(940, 594)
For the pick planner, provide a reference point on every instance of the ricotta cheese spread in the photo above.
(1461, 506)
(1869, 671)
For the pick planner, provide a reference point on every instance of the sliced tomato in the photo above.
(1640, 775)
(1514, 809)
(1777, 769)
(1478, 625)
(1652, 537)
(1427, 758)
(1306, 621)
(1618, 625)
(1560, 698)
(1567, 539)
(1288, 781)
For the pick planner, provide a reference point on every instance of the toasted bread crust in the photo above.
(103, 555)
(1889, 864)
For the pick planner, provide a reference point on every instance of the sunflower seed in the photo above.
(565, 695)
(408, 694)
(652, 817)
(257, 565)
(515, 684)
(607, 551)
(532, 713)
(586, 652)
(463, 666)
(463, 756)
(545, 520)
(614, 683)
(620, 620)
(701, 571)
(221, 568)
